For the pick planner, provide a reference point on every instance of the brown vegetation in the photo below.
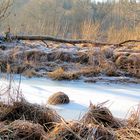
(32, 112)
(79, 131)
(64, 62)
(129, 63)
(60, 74)
(132, 128)
(100, 115)
(97, 123)
(21, 129)
(108, 21)
(58, 98)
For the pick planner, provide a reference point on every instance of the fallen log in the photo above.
(70, 41)
(60, 40)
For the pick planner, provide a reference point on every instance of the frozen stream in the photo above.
(121, 97)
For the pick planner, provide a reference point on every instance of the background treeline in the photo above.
(107, 21)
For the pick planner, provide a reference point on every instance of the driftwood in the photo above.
(60, 40)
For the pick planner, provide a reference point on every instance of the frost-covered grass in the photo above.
(62, 61)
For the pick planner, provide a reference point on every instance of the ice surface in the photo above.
(121, 97)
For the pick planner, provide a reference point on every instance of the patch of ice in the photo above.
(121, 97)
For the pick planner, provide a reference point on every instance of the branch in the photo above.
(60, 40)
(128, 41)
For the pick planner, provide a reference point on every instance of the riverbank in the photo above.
(71, 62)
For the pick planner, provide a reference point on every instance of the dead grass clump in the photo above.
(30, 73)
(20, 129)
(122, 61)
(58, 98)
(3, 107)
(110, 68)
(34, 55)
(135, 58)
(60, 55)
(111, 72)
(107, 51)
(136, 48)
(78, 131)
(131, 131)
(83, 58)
(56, 74)
(65, 56)
(60, 74)
(101, 116)
(134, 65)
(32, 112)
(70, 76)
(134, 118)
(128, 133)
(129, 63)
(89, 71)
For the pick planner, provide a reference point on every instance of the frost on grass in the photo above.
(64, 62)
